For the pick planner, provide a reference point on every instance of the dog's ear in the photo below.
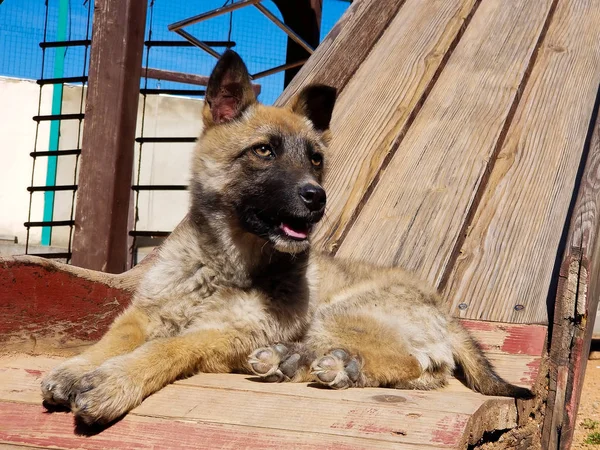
(229, 90)
(315, 102)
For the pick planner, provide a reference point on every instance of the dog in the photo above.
(236, 288)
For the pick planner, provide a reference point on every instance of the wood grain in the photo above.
(28, 424)
(345, 47)
(507, 260)
(576, 301)
(391, 416)
(100, 235)
(416, 212)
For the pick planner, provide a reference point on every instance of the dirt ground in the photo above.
(587, 431)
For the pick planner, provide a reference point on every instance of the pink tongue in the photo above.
(298, 234)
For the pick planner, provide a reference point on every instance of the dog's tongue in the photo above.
(298, 234)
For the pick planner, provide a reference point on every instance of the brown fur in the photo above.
(233, 280)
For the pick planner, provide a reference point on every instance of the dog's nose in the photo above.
(314, 196)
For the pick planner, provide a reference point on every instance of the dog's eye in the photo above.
(264, 151)
(317, 160)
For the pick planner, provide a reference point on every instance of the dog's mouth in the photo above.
(285, 227)
(296, 230)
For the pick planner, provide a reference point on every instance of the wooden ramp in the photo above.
(465, 150)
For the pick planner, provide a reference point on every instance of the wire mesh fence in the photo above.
(48, 41)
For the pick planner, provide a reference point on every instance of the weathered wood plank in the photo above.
(380, 101)
(345, 47)
(100, 237)
(507, 260)
(576, 301)
(30, 425)
(416, 212)
(20, 377)
(369, 412)
(504, 338)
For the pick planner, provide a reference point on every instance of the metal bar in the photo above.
(165, 140)
(213, 13)
(281, 68)
(66, 187)
(287, 30)
(226, 44)
(50, 223)
(138, 233)
(58, 44)
(59, 117)
(198, 43)
(65, 255)
(56, 153)
(159, 187)
(61, 80)
(100, 238)
(191, 92)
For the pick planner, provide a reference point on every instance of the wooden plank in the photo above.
(506, 263)
(576, 300)
(182, 77)
(30, 425)
(506, 338)
(416, 212)
(45, 308)
(345, 46)
(20, 378)
(358, 412)
(380, 102)
(100, 238)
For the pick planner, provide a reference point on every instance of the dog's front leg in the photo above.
(121, 383)
(126, 333)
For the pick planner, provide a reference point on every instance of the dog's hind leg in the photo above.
(358, 351)
(126, 333)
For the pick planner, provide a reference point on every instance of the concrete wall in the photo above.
(160, 163)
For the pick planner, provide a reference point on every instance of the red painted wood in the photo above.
(37, 301)
(27, 424)
(517, 339)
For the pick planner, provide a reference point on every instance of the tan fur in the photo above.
(218, 293)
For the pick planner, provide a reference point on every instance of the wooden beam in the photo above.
(182, 77)
(100, 239)
(304, 18)
(576, 300)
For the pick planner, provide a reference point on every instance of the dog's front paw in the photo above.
(282, 362)
(57, 386)
(105, 394)
(339, 370)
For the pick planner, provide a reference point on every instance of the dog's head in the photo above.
(262, 166)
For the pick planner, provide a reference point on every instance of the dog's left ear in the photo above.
(229, 90)
(315, 102)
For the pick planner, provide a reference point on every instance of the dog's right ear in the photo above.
(229, 90)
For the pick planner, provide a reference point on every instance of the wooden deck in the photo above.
(237, 411)
(465, 148)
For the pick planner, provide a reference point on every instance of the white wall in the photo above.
(160, 163)
(18, 104)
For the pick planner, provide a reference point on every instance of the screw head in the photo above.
(519, 307)
(462, 306)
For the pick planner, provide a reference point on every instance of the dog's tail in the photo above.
(478, 371)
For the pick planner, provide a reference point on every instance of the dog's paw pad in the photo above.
(274, 363)
(338, 369)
